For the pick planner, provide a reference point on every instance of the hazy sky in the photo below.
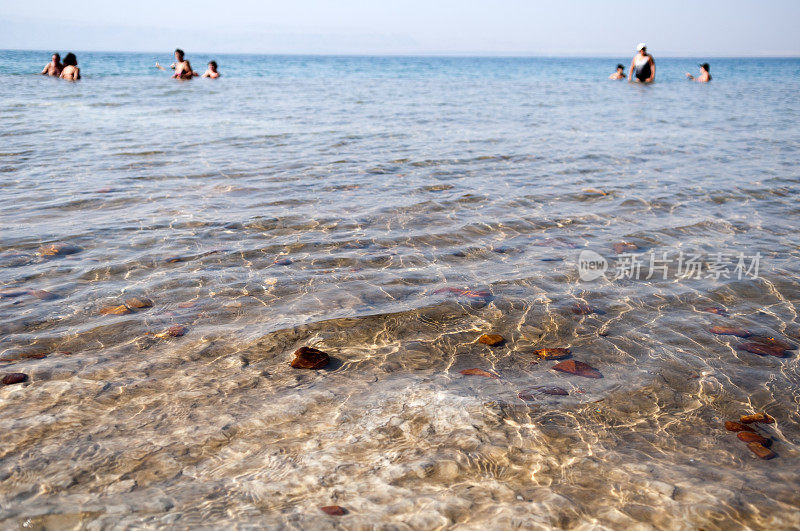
(529, 27)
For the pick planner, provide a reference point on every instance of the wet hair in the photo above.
(179, 52)
(706, 67)
(212, 63)
(621, 66)
(58, 56)
(70, 60)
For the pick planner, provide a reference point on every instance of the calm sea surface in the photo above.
(389, 211)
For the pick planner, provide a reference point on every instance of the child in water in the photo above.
(619, 74)
(704, 76)
(212, 70)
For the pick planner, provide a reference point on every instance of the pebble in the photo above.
(551, 390)
(582, 308)
(310, 358)
(757, 417)
(334, 510)
(479, 372)
(578, 368)
(729, 331)
(760, 450)
(717, 310)
(737, 426)
(624, 247)
(14, 378)
(762, 349)
(282, 261)
(43, 294)
(115, 310)
(553, 353)
(139, 302)
(492, 340)
(58, 249)
(750, 437)
(173, 331)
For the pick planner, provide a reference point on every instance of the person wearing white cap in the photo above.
(643, 67)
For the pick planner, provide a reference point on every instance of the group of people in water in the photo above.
(643, 68)
(68, 69)
(183, 69)
(65, 70)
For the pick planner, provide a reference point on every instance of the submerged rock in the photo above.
(14, 378)
(58, 249)
(716, 310)
(557, 353)
(334, 510)
(624, 247)
(552, 390)
(582, 308)
(749, 436)
(479, 372)
(492, 340)
(177, 330)
(729, 331)
(762, 418)
(115, 310)
(282, 261)
(43, 294)
(763, 350)
(578, 368)
(139, 302)
(310, 358)
(760, 450)
(737, 426)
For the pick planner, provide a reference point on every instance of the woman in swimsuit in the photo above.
(643, 67)
(71, 72)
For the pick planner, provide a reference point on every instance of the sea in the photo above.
(167, 246)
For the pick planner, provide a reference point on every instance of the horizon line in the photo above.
(432, 53)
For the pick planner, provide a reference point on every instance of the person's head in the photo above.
(56, 58)
(179, 54)
(705, 67)
(70, 60)
(620, 68)
(212, 65)
(641, 48)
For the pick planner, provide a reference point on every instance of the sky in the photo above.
(707, 28)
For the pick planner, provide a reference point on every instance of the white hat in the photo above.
(641, 46)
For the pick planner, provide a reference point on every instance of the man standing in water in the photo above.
(643, 67)
(54, 67)
(183, 70)
(704, 76)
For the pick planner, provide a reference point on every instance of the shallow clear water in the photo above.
(333, 201)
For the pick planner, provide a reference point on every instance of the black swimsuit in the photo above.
(642, 71)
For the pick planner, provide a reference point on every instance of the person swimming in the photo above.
(704, 76)
(71, 72)
(54, 67)
(643, 66)
(212, 70)
(619, 74)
